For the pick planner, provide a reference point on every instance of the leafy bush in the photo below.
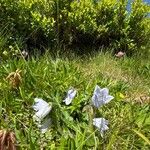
(65, 22)
(30, 20)
(139, 30)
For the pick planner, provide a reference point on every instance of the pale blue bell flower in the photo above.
(101, 96)
(101, 124)
(45, 125)
(70, 96)
(42, 109)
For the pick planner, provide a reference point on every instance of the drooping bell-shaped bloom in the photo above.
(70, 96)
(42, 109)
(101, 124)
(45, 125)
(101, 96)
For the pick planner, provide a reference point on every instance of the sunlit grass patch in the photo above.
(129, 74)
(50, 79)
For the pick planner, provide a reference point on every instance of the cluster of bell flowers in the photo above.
(99, 98)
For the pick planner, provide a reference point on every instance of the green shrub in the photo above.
(31, 20)
(82, 20)
(138, 22)
(65, 22)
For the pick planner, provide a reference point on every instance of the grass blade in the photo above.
(142, 136)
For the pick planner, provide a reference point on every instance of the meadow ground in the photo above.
(50, 78)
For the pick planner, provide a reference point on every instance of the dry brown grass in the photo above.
(7, 140)
(14, 78)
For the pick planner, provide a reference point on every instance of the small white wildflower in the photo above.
(70, 96)
(24, 54)
(101, 124)
(42, 109)
(101, 96)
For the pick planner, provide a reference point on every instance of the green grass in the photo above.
(50, 79)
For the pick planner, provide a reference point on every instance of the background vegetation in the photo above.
(63, 29)
(69, 23)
